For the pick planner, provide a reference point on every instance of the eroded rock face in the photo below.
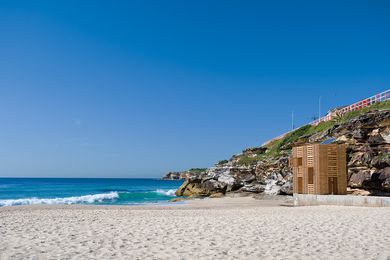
(360, 179)
(287, 188)
(384, 178)
(368, 158)
(253, 187)
(368, 150)
(183, 175)
(266, 176)
(192, 189)
(173, 176)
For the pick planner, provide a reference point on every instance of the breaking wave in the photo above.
(67, 200)
(166, 192)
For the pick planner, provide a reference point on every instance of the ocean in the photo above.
(28, 191)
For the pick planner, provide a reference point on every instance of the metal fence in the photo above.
(383, 96)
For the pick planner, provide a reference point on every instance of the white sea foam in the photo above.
(67, 200)
(166, 192)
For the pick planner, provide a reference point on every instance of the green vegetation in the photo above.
(246, 160)
(223, 162)
(377, 106)
(276, 146)
(384, 156)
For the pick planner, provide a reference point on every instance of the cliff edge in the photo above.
(264, 169)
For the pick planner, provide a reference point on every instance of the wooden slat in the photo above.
(327, 161)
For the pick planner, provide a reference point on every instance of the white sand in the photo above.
(227, 228)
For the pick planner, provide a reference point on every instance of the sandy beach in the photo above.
(229, 228)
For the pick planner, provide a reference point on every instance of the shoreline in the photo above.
(220, 228)
(195, 203)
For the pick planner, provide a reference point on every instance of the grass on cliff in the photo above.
(222, 162)
(275, 147)
(377, 106)
(384, 156)
(246, 160)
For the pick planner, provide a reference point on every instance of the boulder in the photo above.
(255, 188)
(191, 189)
(361, 158)
(381, 161)
(386, 135)
(287, 189)
(359, 134)
(383, 178)
(182, 188)
(172, 176)
(359, 178)
(375, 137)
(212, 186)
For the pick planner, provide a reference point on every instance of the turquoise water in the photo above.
(27, 191)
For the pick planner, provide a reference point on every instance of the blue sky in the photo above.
(138, 88)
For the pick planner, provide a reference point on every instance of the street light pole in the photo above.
(292, 120)
(319, 108)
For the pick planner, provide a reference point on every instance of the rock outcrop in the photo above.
(265, 169)
(174, 176)
(194, 172)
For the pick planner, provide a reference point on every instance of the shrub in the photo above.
(197, 170)
(274, 147)
(246, 160)
(223, 162)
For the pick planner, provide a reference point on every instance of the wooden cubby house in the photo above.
(319, 169)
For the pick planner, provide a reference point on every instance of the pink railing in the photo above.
(385, 95)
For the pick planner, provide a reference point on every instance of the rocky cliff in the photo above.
(265, 169)
(191, 173)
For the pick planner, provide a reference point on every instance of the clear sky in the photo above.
(138, 88)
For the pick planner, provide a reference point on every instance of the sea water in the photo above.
(28, 191)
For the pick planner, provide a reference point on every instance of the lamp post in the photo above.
(292, 120)
(319, 108)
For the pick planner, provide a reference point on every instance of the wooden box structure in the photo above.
(319, 169)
